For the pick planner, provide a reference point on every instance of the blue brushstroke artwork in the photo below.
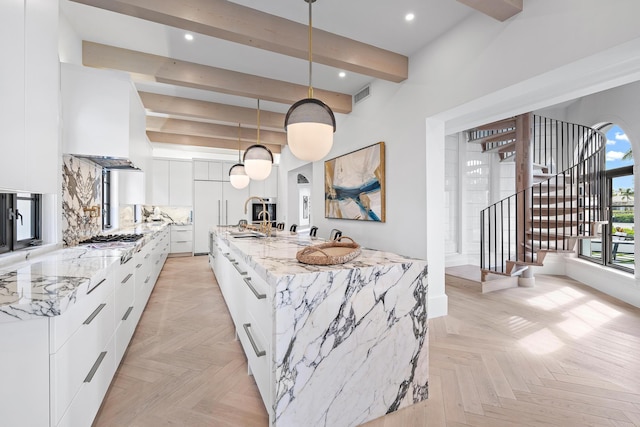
(354, 185)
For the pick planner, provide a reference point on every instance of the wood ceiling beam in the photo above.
(240, 24)
(196, 109)
(200, 141)
(497, 9)
(144, 66)
(213, 130)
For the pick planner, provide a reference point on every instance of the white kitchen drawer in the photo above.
(124, 332)
(62, 327)
(258, 302)
(256, 348)
(181, 232)
(84, 407)
(181, 246)
(74, 360)
(125, 288)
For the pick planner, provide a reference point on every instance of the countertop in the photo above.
(274, 257)
(48, 284)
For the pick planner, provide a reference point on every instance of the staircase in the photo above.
(559, 187)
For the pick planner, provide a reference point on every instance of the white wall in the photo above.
(479, 72)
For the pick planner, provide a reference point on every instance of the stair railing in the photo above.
(561, 209)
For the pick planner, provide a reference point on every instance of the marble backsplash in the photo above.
(167, 213)
(81, 190)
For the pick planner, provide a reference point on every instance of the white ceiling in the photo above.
(377, 22)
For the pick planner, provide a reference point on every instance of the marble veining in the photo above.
(49, 284)
(350, 341)
(81, 182)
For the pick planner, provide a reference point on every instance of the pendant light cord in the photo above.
(258, 121)
(239, 143)
(310, 54)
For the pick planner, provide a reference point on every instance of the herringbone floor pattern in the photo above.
(558, 354)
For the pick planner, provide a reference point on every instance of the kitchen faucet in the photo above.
(265, 224)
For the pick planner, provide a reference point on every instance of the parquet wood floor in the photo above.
(558, 354)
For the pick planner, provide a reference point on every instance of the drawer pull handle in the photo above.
(259, 353)
(237, 267)
(148, 277)
(126, 279)
(181, 241)
(181, 231)
(147, 255)
(139, 265)
(99, 283)
(95, 367)
(128, 260)
(94, 314)
(127, 313)
(258, 295)
(157, 262)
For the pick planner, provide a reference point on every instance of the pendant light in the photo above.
(310, 123)
(237, 175)
(258, 158)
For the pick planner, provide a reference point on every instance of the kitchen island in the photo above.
(328, 345)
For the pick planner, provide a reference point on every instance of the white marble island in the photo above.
(328, 345)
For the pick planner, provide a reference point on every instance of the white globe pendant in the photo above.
(257, 162)
(310, 125)
(238, 176)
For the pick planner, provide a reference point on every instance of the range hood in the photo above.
(110, 162)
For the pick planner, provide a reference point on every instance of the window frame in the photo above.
(9, 223)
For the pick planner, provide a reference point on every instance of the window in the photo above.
(106, 199)
(614, 244)
(21, 225)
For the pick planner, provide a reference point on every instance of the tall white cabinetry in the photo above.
(172, 182)
(216, 201)
(29, 82)
(268, 188)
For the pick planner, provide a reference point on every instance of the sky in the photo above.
(617, 145)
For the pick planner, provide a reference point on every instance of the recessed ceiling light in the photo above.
(409, 17)
(188, 36)
(342, 74)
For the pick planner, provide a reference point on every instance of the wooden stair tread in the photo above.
(503, 148)
(497, 125)
(495, 137)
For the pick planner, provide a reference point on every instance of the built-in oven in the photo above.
(269, 205)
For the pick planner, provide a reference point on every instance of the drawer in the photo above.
(258, 354)
(124, 332)
(181, 246)
(86, 404)
(258, 303)
(182, 233)
(72, 363)
(125, 289)
(64, 326)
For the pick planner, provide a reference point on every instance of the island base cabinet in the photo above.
(24, 392)
(89, 398)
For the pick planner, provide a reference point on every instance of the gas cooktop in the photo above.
(109, 238)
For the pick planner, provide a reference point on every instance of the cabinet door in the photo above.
(271, 183)
(234, 200)
(216, 171)
(200, 170)
(12, 102)
(160, 182)
(42, 84)
(207, 212)
(131, 187)
(180, 183)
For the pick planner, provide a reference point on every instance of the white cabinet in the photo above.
(160, 182)
(267, 188)
(180, 183)
(181, 239)
(172, 183)
(216, 201)
(29, 81)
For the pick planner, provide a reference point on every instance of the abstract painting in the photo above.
(354, 185)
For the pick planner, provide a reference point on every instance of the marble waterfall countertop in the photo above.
(48, 284)
(350, 341)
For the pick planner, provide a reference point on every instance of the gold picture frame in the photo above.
(354, 185)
